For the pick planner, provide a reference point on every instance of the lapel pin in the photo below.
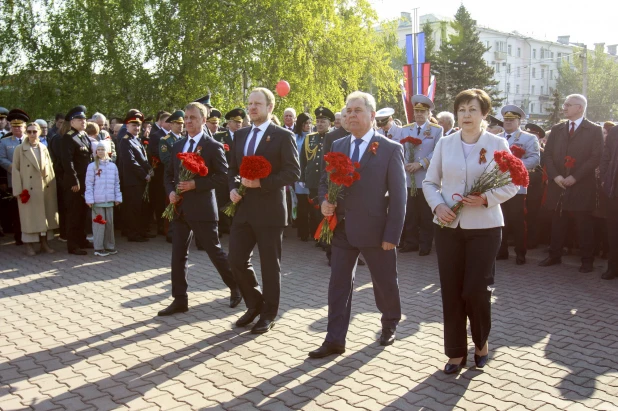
(267, 139)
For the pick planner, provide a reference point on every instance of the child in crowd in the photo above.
(102, 193)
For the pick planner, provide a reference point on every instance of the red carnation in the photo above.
(99, 220)
(569, 162)
(146, 142)
(251, 168)
(191, 165)
(412, 140)
(24, 196)
(517, 151)
(226, 147)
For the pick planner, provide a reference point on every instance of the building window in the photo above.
(487, 45)
(559, 56)
(518, 51)
(532, 90)
(518, 71)
(510, 50)
(542, 53)
(532, 105)
(552, 55)
(508, 68)
(542, 87)
(516, 88)
(533, 73)
(497, 67)
(542, 73)
(508, 87)
(533, 53)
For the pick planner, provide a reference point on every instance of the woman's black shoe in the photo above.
(480, 360)
(454, 368)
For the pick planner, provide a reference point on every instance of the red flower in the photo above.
(146, 142)
(226, 147)
(99, 171)
(517, 151)
(99, 220)
(516, 168)
(155, 162)
(194, 163)
(374, 148)
(569, 162)
(24, 196)
(412, 140)
(255, 167)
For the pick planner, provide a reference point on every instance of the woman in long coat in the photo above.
(34, 185)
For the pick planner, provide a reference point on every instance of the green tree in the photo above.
(112, 55)
(459, 63)
(556, 110)
(602, 91)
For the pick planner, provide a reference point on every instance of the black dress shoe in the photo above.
(361, 262)
(137, 239)
(586, 268)
(502, 256)
(77, 251)
(424, 253)
(480, 360)
(327, 349)
(550, 261)
(235, 298)
(609, 275)
(454, 368)
(248, 317)
(408, 249)
(520, 260)
(387, 337)
(262, 326)
(175, 307)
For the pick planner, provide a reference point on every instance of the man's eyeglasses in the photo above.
(568, 105)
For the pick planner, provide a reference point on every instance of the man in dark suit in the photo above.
(381, 171)
(136, 173)
(76, 155)
(157, 186)
(261, 214)
(196, 215)
(609, 184)
(573, 191)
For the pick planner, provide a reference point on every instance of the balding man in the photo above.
(289, 118)
(447, 121)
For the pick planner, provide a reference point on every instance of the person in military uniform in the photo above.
(337, 133)
(514, 210)
(494, 125)
(384, 121)
(76, 155)
(18, 119)
(418, 227)
(3, 121)
(234, 122)
(136, 171)
(205, 100)
(311, 154)
(214, 118)
(4, 222)
(534, 198)
(175, 123)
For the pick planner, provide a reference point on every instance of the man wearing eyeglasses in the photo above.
(572, 185)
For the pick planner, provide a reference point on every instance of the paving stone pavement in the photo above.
(80, 333)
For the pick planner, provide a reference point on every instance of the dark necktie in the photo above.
(356, 152)
(191, 142)
(572, 130)
(251, 148)
(508, 137)
(418, 131)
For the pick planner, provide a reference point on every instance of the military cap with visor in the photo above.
(421, 102)
(511, 111)
(134, 116)
(238, 114)
(76, 112)
(17, 117)
(534, 129)
(214, 117)
(323, 112)
(177, 116)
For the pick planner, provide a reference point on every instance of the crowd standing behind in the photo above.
(84, 172)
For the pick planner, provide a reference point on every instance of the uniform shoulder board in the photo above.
(408, 125)
(312, 134)
(167, 136)
(434, 124)
(126, 137)
(70, 132)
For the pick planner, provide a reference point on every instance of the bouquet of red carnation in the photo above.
(413, 144)
(341, 173)
(191, 165)
(517, 151)
(506, 169)
(569, 163)
(251, 168)
(99, 220)
(24, 196)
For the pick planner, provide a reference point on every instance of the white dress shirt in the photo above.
(258, 137)
(196, 140)
(577, 123)
(231, 135)
(363, 146)
(415, 130)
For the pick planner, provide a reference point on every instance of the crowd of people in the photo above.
(411, 177)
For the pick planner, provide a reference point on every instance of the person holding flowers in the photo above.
(572, 189)
(259, 207)
(197, 168)
(363, 220)
(464, 188)
(419, 141)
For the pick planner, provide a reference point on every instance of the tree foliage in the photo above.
(602, 91)
(112, 55)
(459, 63)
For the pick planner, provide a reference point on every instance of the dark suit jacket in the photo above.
(266, 205)
(224, 137)
(199, 204)
(331, 136)
(609, 164)
(371, 216)
(135, 166)
(153, 143)
(585, 146)
(76, 155)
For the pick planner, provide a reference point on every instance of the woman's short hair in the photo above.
(474, 94)
(34, 124)
(608, 125)
(92, 128)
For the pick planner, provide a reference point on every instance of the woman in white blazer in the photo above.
(468, 244)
